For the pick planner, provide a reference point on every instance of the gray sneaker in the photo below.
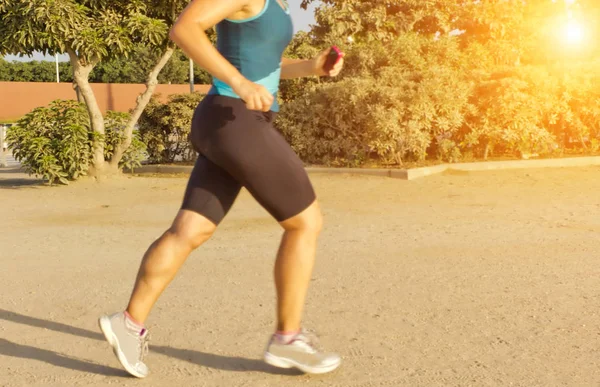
(128, 343)
(301, 353)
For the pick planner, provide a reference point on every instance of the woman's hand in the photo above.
(255, 96)
(319, 62)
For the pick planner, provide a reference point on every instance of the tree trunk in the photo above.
(142, 101)
(582, 141)
(487, 150)
(77, 92)
(81, 73)
(3, 162)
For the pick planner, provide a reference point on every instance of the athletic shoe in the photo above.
(302, 353)
(129, 344)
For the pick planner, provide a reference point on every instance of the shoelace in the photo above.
(309, 339)
(144, 342)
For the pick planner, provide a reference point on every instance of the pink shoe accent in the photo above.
(133, 322)
(285, 337)
(291, 333)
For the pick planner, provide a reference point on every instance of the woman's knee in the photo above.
(310, 220)
(191, 229)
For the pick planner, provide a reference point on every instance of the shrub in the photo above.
(507, 120)
(114, 126)
(392, 118)
(416, 98)
(574, 114)
(56, 142)
(164, 128)
(396, 113)
(535, 109)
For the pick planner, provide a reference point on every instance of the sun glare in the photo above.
(573, 33)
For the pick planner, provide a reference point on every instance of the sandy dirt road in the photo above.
(480, 279)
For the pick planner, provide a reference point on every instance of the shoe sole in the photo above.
(110, 336)
(280, 362)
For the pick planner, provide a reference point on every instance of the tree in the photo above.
(514, 32)
(121, 70)
(141, 62)
(34, 71)
(133, 69)
(482, 78)
(92, 31)
(5, 68)
(381, 20)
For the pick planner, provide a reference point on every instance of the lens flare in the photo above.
(573, 32)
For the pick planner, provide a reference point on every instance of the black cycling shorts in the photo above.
(239, 148)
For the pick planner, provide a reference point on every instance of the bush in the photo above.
(507, 120)
(574, 112)
(56, 142)
(396, 113)
(114, 127)
(417, 98)
(535, 109)
(164, 128)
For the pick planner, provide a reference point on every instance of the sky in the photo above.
(301, 18)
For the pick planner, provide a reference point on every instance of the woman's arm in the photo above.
(189, 34)
(299, 68)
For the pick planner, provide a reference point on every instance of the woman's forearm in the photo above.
(297, 68)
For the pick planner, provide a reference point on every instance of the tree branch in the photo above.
(142, 101)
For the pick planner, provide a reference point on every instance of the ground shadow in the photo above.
(16, 177)
(8, 348)
(11, 170)
(51, 325)
(224, 363)
(20, 183)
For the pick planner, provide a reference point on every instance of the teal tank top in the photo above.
(254, 46)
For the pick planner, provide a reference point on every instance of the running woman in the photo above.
(232, 130)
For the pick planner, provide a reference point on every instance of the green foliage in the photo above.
(124, 39)
(446, 79)
(536, 109)
(56, 142)
(371, 21)
(115, 124)
(516, 32)
(89, 32)
(416, 98)
(165, 128)
(53, 142)
(507, 119)
(134, 69)
(93, 29)
(34, 71)
(392, 114)
(135, 154)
